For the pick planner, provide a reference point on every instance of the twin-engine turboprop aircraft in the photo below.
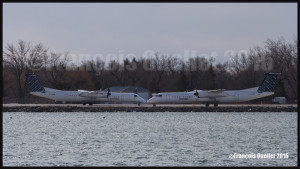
(79, 96)
(220, 95)
(197, 96)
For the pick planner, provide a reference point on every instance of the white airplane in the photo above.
(79, 96)
(220, 95)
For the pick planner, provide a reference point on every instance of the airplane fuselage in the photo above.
(74, 97)
(204, 96)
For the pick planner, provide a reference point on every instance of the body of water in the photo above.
(150, 139)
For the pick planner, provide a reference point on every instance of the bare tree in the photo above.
(22, 58)
(160, 68)
(55, 69)
(15, 59)
(114, 69)
(37, 58)
(196, 68)
(173, 65)
(221, 75)
(96, 71)
(285, 58)
(159, 73)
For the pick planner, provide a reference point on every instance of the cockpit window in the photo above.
(135, 95)
(159, 95)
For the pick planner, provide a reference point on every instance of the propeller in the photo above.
(108, 92)
(196, 93)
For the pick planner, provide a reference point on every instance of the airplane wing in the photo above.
(213, 93)
(82, 91)
(92, 94)
(218, 91)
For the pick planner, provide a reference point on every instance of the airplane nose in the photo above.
(142, 100)
(150, 101)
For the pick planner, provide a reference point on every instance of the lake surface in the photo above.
(150, 139)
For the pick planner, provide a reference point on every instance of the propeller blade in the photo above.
(196, 93)
(108, 92)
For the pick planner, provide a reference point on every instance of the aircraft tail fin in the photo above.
(269, 82)
(34, 83)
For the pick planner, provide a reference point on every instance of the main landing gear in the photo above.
(215, 105)
(88, 103)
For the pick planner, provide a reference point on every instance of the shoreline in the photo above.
(148, 108)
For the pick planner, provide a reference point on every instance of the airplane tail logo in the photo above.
(34, 83)
(268, 83)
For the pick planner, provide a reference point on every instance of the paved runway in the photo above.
(148, 105)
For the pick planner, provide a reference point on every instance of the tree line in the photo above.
(160, 73)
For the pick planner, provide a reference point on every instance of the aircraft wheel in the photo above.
(206, 105)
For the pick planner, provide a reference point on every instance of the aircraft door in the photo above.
(237, 96)
(168, 98)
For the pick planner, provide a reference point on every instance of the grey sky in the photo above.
(93, 28)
